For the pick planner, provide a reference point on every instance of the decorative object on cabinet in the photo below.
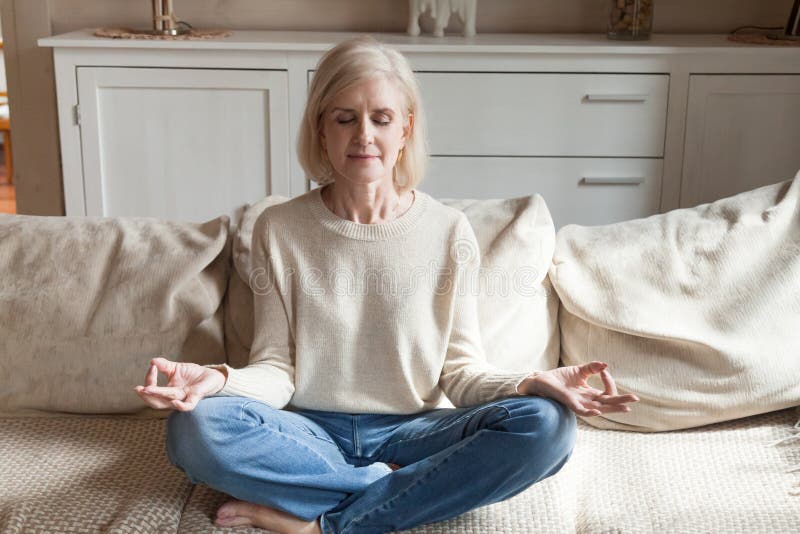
(763, 38)
(191, 35)
(789, 37)
(792, 30)
(165, 26)
(630, 19)
(164, 20)
(440, 11)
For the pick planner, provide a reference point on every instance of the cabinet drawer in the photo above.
(587, 191)
(545, 114)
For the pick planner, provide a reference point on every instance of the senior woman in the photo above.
(333, 426)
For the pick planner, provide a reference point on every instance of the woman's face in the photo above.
(364, 129)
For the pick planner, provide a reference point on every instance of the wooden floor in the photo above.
(8, 202)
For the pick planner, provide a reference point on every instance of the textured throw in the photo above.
(86, 302)
(111, 474)
(88, 474)
(696, 311)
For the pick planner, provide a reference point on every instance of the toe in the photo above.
(230, 508)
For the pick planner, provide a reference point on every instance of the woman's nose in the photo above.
(366, 133)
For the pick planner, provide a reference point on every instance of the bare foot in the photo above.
(236, 513)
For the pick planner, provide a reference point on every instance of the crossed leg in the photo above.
(287, 475)
(282, 470)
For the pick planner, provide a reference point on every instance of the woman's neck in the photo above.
(366, 204)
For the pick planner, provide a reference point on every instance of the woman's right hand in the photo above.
(188, 383)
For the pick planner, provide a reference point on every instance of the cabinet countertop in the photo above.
(507, 43)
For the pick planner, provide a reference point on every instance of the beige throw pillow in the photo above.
(696, 311)
(518, 308)
(86, 302)
(239, 297)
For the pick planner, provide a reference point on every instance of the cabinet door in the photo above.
(742, 132)
(585, 191)
(182, 144)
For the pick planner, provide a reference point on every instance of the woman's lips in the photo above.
(362, 159)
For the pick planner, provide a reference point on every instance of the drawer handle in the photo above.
(636, 180)
(616, 98)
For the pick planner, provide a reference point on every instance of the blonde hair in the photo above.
(346, 64)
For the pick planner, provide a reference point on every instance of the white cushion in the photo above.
(696, 311)
(86, 302)
(518, 307)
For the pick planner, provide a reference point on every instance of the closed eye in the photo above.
(379, 123)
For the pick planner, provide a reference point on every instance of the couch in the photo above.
(86, 302)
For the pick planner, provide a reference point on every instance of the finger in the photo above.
(616, 408)
(618, 399)
(164, 365)
(592, 368)
(153, 400)
(151, 379)
(575, 404)
(189, 404)
(590, 392)
(600, 410)
(611, 386)
(171, 393)
(141, 391)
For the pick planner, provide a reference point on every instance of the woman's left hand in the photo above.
(568, 386)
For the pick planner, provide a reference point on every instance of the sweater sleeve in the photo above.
(467, 378)
(269, 375)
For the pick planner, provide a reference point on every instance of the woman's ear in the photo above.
(408, 127)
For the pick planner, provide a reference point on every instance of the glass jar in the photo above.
(630, 19)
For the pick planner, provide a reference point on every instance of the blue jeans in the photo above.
(331, 465)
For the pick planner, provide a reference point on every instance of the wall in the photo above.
(30, 69)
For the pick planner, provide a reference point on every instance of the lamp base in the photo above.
(176, 31)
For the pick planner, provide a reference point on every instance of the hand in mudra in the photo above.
(568, 386)
(188, 383)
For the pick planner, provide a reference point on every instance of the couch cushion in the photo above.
(88, 474)
(239, 296)
(518, 308)
(720, 478)
(696, 311)
(86, 302)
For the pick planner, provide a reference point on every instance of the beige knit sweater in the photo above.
(366, 318)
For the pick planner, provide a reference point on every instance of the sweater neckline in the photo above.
(368, 232)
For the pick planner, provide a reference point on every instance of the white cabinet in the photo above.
(742, 132)
(603, 130)
(186, 144)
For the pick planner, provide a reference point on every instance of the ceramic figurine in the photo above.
(441, 11)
